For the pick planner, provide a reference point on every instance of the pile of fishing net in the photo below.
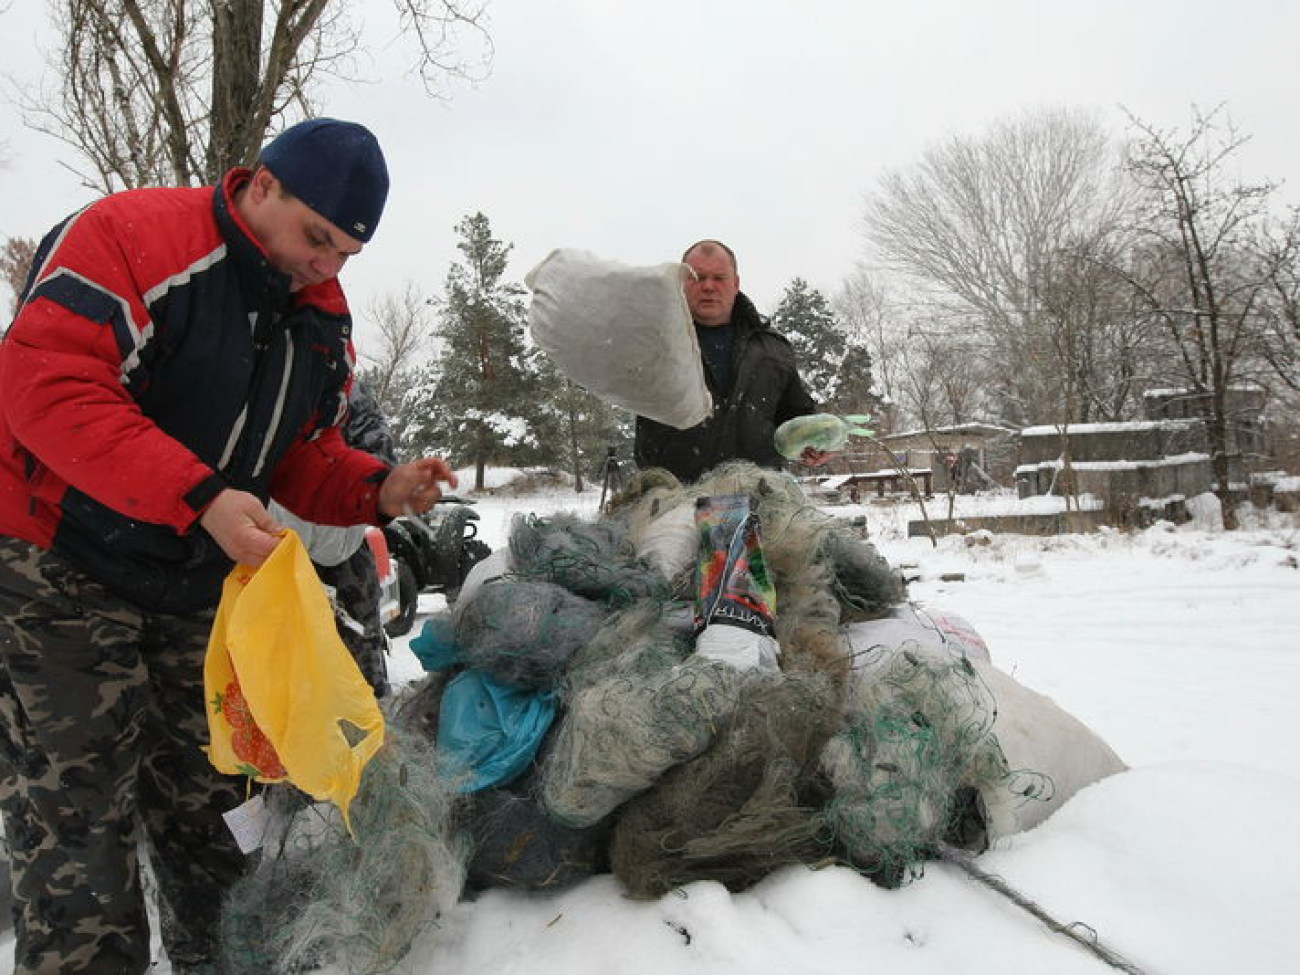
(661, 763)
(318, 893)
(571, 724)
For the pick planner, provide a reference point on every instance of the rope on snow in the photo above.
(1076, 931)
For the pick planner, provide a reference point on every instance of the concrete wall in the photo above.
(1057, 523)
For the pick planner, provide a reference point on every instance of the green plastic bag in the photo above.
(823, 432)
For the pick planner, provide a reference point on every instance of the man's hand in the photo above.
(814, 457)
(412, 489)
(241, 525)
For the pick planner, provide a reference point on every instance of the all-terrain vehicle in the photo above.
(433, 553)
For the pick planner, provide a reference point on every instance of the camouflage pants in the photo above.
(355, 582)
(102, 722)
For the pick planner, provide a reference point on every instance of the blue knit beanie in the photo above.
(334, 167)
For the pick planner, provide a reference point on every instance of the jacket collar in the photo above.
(258, 278)
(745, 316)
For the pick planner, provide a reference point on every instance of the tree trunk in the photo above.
(236, 131)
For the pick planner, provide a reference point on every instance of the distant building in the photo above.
(976, 455)
(1137, 470)
(1248, 447)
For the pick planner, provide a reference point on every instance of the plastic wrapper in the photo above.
(281, 686)
(735, 595)
(824, 432)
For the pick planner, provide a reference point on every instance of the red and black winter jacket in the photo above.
(158, 358)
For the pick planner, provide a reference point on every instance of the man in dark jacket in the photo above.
(750, 370)
(180, 356)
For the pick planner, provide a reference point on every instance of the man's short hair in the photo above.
(709, 245)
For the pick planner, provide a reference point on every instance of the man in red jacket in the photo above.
(180, 357)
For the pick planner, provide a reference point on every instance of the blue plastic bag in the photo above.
(489, 732)
(436, 646)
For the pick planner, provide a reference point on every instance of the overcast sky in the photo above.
(633, 128)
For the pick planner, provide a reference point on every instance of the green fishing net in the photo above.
(916, 751)
(661, 765)
(321, 896)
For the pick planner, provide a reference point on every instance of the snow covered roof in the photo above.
(987, 429)
(1116, 465)
(1055, 430)
(1244, 387)
(839, 480)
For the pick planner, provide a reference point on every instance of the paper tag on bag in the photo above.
(247, 824)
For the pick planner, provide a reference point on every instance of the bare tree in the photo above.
(863, 308)
(403, 319)
(979, 223)
(177, 91)
(1206, 269)
(1099, 339)
(940, 387)
(392, 365)
(15, 262)
(1281, 306)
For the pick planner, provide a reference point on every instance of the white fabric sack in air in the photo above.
(622, 332)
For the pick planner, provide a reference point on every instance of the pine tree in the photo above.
(804, 317)
(576, 425)
(474, 401)
(855, 388)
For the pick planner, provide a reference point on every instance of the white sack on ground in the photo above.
(1043, 744)
(670, 542)
(909, 623)
(1038, 736)
(484, 571)
(740, 648)
(622, 332)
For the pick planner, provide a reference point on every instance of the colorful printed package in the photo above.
(735, 601)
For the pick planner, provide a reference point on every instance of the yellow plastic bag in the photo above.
(286, 701)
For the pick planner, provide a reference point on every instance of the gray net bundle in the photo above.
(417, 706)
(634, 643)
(634, 707)
(864, 584)
(744, 807)
(516, 844)
(911, 763)
(523, 632)
(592, 559)
(358, 902)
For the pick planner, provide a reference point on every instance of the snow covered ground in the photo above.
(1179, 646)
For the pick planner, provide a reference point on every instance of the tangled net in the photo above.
(911, 761)
(523, 632)
(319, 895)
(516, 844)
(746, 805)
(636, 704)
(591, 559)
(662, 765)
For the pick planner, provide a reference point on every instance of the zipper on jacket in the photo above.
(236, 462)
